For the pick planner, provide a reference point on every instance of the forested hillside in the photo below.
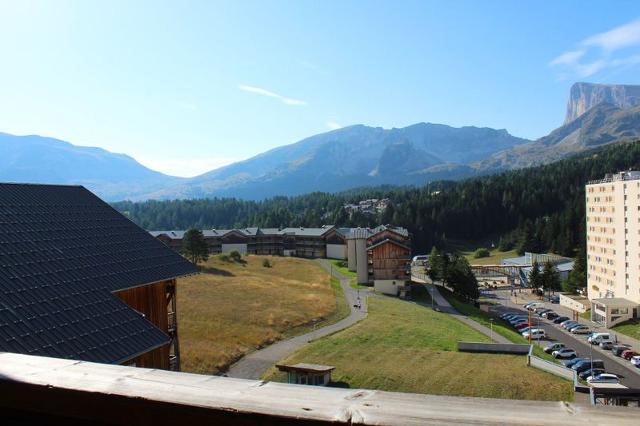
(534, 209)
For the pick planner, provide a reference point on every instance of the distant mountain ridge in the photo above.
(37, 159)
(354, 156)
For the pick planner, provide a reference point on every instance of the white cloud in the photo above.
(333, 125)
(618, 38)
(185, 167)
(270, 94)
(599, 51)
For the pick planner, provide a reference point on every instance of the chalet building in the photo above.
(80, 281)
(380, 256)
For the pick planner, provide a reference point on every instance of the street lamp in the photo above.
(491, 325)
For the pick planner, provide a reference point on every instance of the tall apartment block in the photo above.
(613, 247)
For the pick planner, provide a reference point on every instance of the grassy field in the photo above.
(405, 347)
(234, 308)
(494, 259)
(630, 328)
(339, 266)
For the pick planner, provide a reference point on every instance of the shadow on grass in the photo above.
(215, 271)
(343, 385)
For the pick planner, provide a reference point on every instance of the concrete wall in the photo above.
(361, 261)
(575, 303)
(504, 348)
(389, 287)
(228, 248)
(557, 369)
(351, 255)
(337, 251)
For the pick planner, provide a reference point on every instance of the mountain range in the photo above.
(340, 159)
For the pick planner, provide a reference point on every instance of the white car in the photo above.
(582, 329)
(603, 378)
(635, 360)
(536, 333)
(564, 353)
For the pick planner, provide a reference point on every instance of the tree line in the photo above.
(537, 209)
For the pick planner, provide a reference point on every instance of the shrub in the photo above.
(223, 257)
(481, 252)
(235, 256)
(266, 263)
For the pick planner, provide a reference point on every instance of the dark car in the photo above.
(618, 349)
(551, 316)
(542, 311)
(560, 319)
(590, 372)
(555, 299)
(573, 361)
(581, 366)
(628, 354)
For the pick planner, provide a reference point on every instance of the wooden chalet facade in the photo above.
(80, 281)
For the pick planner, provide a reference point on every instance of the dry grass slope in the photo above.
(232, 308)
(407, 348)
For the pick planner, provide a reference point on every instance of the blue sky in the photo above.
(187, 86)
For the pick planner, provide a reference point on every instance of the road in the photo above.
(630, 375)
(255, 364)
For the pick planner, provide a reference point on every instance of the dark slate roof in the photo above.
(63, 251)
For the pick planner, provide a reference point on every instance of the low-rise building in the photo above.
(381, 254)
(307, 374)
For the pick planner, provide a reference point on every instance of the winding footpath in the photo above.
(255, 364)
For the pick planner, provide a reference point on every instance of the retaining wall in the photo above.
(504, 348)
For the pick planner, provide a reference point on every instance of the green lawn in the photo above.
(405, 347)
(499, 326)
(340, 266)
(494, 259)
(629, 328)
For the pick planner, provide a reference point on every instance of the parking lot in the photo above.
(629, 374)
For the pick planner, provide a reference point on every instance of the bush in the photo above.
(266, 263)
(224, 257)
(481, 252)
(235, 256)
(342, 264)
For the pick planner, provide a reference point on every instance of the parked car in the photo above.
(570, 362)
(604, 378)
(554, 347)
(607, 344)
(543, 311)
(535, 305)
(572, 326)
(628, 354)
(565, 353)
(560, 319)
(536, 333)
(568, 323)
(617, 350)
(590, 372)
(581, 366)
(581, 329)
(551, 316)
(555, 299)
(540, 309)
(596, 338)
(522, 325)
(517, 321)
(635, 360)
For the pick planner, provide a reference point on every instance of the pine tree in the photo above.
(535, 279)
(194, 246)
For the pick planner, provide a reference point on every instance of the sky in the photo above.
(185, 87)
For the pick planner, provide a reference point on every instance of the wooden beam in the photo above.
(48, 388)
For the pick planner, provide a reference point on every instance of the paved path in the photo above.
(445, 306)
(255, 364)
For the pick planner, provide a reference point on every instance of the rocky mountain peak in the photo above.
(584, 96)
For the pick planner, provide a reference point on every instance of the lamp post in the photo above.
(491, 325)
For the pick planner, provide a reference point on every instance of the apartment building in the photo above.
(380, 255)
(613, 247)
